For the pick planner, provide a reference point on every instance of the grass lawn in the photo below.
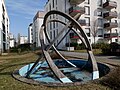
(10, 63)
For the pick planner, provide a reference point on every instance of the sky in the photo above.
(21, 14)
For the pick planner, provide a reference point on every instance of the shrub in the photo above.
(80, 46)
(98, 45)
(71, 44)
(24, 47)
(14, 49)
(106, 49)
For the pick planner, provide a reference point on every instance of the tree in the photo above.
(94, 28)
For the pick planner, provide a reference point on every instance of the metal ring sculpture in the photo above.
(45, 48)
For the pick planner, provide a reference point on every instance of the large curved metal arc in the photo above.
(71, 19)
(92, 59)
(52, 66)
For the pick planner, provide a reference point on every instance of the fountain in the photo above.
(61, 72)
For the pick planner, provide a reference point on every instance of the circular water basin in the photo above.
(43, 74)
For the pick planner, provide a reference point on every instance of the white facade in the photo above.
(37, 22)
(30, 34)
(23, 39)
(12, 40)
(54, 28)
(4, 28)
(95, 22)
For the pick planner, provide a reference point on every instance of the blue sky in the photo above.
(21, 13)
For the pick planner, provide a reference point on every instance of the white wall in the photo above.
(12, 43)
(37, 23)
(23, 39)
(6, 27)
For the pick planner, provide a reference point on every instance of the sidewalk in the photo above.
(115, 60)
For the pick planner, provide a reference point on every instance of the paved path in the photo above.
(106, 59)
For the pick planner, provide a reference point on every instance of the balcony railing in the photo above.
(76, 1)
(73, 36)
(112, 35)
(110, 15)
(110, 4)
(110, 25)
(75, 10)
(82, 22)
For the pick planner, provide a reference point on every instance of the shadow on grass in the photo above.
(7, 72)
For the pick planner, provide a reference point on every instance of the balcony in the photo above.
(75, 10)
(74, 2)
(110, 5)
(73, 36)
(82, 22)
(112, 35)
(110, 25)
(110, 15)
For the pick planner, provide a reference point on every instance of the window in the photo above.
(99, 12)
(54, 34)
(50, 35)
(87, 30)
(53, 3)
(87, 10)
(53, 16)
(50, 25)
(50, 6)
(53, 24)
(56, 2)
(57, 31)
(115, 21)
(100, 2)
(56, 24)
(100, 22)
(116, 40)
(71, 35)
(100, 33)
(87, 21)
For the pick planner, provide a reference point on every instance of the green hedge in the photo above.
(105, 47)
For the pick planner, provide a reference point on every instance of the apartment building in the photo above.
(12, 40)
(30, 34)
(99, 19)
(4, 28)
(23, 39)
(37, 22)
